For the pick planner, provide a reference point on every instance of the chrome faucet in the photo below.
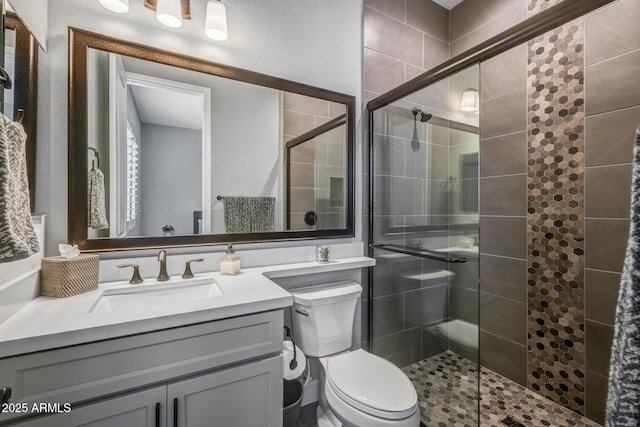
(162, 275)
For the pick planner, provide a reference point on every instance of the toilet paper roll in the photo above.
(287, 357)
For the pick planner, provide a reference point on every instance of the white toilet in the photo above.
(356, 388)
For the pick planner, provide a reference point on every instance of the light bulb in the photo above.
(118, 6)
(169, 13)
(216, 25)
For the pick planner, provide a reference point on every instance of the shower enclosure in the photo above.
(423, 233)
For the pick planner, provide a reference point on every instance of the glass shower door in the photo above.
(424, 235)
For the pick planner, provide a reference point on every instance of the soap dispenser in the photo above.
(230, 263)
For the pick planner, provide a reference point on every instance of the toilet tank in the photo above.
(323, 317)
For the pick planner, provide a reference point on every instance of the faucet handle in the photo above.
(135, 277)
(188, 274)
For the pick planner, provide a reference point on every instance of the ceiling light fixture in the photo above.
(470, 100)
(216, 25)
(118, 6)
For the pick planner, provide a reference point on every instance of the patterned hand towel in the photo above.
(623, 403)
(97, 210)
(248, 214)
(17, 237)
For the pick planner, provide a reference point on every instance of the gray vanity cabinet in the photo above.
(246, 395)
(224, 373)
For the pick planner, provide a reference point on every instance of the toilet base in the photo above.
(327, 419)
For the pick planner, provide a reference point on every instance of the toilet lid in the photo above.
(371, 384)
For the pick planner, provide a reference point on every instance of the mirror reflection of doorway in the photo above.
(159, 154)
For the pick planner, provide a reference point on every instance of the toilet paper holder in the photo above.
(294, 363)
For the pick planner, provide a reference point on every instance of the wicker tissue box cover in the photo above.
(63, 277)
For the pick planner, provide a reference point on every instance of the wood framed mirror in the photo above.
(132, 110)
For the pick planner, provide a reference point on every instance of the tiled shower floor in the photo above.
(446, 384)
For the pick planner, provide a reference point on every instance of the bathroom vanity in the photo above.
(227, 370)
(217, 357)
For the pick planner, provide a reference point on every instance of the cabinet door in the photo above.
(246, 395)
(143, 409)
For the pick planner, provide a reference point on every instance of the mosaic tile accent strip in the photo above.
(555, 221)
(447, 387)
(536, 6)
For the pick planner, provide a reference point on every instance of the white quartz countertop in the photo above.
(48, 323)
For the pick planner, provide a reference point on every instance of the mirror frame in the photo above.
(79, 43)
(25, 95)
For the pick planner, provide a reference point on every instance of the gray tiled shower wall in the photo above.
(315, 162)
(612, 113)
(401, 40)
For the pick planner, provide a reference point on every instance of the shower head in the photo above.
(425, 117)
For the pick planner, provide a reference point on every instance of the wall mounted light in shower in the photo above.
(470, 100)
(216, 25)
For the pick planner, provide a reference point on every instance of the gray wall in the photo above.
(474, 21)
(171, 182)
(612, 111)
(401, 40)
(245, 147)
(503, 171)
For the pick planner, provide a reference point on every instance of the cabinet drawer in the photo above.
(81, 373)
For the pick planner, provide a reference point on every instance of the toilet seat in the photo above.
(371, 384)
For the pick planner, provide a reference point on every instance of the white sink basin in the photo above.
(144, 297)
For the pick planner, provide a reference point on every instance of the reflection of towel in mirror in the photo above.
(97, 210)
(248, 214)
(17, 237)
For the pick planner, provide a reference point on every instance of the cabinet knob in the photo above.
(5, 395)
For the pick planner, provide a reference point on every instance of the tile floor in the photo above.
(447, 384)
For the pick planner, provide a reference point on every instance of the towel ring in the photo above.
(95, 152)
